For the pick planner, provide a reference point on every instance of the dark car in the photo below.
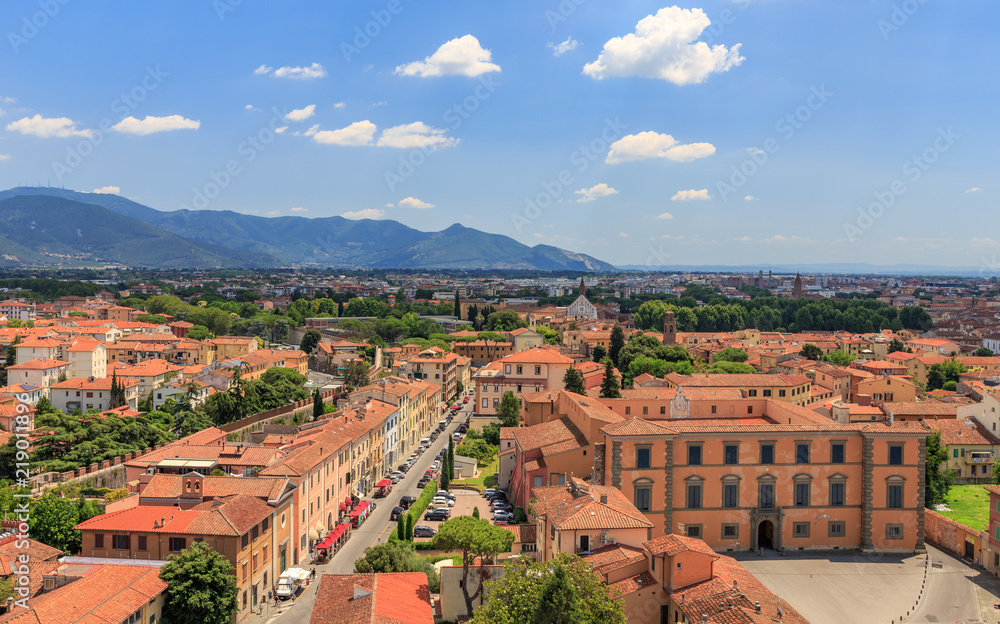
(403, 467)
(406, 501)
(395, 513)
(423, 531)
(421, 483)
(437, 514)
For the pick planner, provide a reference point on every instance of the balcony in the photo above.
(983, 457)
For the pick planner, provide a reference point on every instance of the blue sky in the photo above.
(733, 132)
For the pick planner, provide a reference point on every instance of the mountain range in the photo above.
(44, 226)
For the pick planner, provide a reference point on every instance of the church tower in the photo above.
(583, 288)
(669, 329)
(797, 289)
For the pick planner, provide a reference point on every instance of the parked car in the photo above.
(406, 501)
(423, 481)
(489, 492)
(502, 506)
(394, 477)
(402, 468)
(465, 400)
(423, 531)
(505, 516)
(395, 513)
(445, 494)
(437, 514)
(442, 502)
(499, 496)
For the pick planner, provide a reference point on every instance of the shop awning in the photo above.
(337, 532)
(456, 406)
(327, 541)
(363, 505)
(347, 501)
(343, 507)
(383, 483)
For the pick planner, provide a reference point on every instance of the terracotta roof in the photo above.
(39, 364)
(614, 556)
(172, 486)
(922, 408)
(227, 454)
(232, 516)
(673, 544)
(737, 380)
(36, 551)
(961, 432)
(392, 598)
(586, 511)
(84, 383)
(538, 355)
(523, 533)
(548, 434)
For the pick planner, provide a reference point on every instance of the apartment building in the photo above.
(530, 371)
(419, 407)
(794, 389)
(482, 352)
(972, 450)
(434, 366)
(42, 373)
(87, 358)
(86, 393)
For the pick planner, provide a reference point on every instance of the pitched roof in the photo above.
(538, 355)
(172, 486)
(673, 544)
(961, 432)
(587, 508)
(549, 434)
(11, 549)
(39, 364)
(231, 516)
(391, 598)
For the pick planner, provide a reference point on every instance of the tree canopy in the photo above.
(201, 587)
(474, 539)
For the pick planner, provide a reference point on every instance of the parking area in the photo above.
(465, 502)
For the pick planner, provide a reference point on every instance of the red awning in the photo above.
(355, 512)
(383, 483)
(343, 507)
(347, 501)
(335, 535)
(363, 505)
(326, 543)
(456, 406)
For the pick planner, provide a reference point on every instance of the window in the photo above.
(642, 497)
(692, 530)
(766, 495)
(767, 393)
(642, 454)
(538, 370)
(837, 494)
(781, 393)
(694, 454)
(802, 494)
(896, 455)
(730, 495)
(177, 544)
(694, 494)
(663, 409)
(751, 393)
(485, 402)
(246, 538)
(519, 369)
(714, 409)
(628, 410)
(800, 529)
(730, 531)
(506, 369)
(538, 481)
(98, 540)
(767, 453)
(894, 495)
(645, 410)
(954, 453)
(120, 542)
(835, 529)
(836, 452)
(732, 454)
(749, 409)
(141, 543)
(894, 531)
(801, 452)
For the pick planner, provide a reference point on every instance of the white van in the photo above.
(290, 581)
(443, 423)
(425, 442)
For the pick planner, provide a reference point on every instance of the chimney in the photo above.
(756, 607)
(604, 499)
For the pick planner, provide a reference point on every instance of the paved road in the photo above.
(951, 593)
(376, 527)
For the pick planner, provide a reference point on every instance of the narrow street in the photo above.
(376, 527)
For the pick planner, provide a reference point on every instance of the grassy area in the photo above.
(970, 505)
(487, 472)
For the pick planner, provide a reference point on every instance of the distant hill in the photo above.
(52, 231)
(336, 241)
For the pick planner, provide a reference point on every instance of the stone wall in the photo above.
(952, 536)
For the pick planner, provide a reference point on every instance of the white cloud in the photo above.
(664, 46)
(623, 235)
(250, 107)
(298, 73)
(311, 131)
(280, 129)
(743, 239)
(109, 190)
(750, 198)
(389, 205)
(298, 209)
(691, 195)
(339, 105)
(778, 238)
(558, 49)
(382, 103)
(272, 213)
(358, 133)
(649, 145)
(983, 242)
(263, 69)
(664, 215)
(974, 189)
(413, 202)
(415, 135)
(459, 57)
(301, 114)
(592, 193)
(8, 100)
(48, 127)
(152, 125)
(367, 213)
(4, 157)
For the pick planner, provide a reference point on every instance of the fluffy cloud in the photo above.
(109, 190)
(48, 127)
(4, 157)
(415, 135)
(664, 216)
(367, 213)
(458, 57)
(558, 49)
(152, 125)
(592, 193)
(280, 129)
(263, 69)
(750, 198)
(974, 189)
(298, 209)
(413, 202)
(301, 114)
(339, 105)
(649, 145)
(623, 235)
(358, 133)
(691, 195)
(250, 107)
(664, 46)
(299, 73)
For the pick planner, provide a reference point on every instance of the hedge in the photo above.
(420, 505)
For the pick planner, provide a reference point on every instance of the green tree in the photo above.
(401, 527)
(896, 345)
(382, 558)
(475, 539)
(458, 306)
(490, 433)
(117, 393)
(356, 373)
(52, 520)
(409, 527)
(811, 352)
(475, 512)
(914, 317)
(445, 480)
(573, 382)
(515, 597)
(940, 374)
(509, 410)
(731, 354)
(610, 388)
(617, 343)
(838, 358)
(937, 481)
(12, 351)
(201, 587)
(983, 352)
(451, 458)
(557, 601)
(309, 341)
(504, 321)
(318, 409)
(599, 353)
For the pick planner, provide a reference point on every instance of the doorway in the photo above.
(584, 543)
(765, 535)
(970, 550)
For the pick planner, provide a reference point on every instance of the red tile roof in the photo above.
(396, 598)
(586, 510)
(39, 364)
(36, 551)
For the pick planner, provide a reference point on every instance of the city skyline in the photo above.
(796, 133)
